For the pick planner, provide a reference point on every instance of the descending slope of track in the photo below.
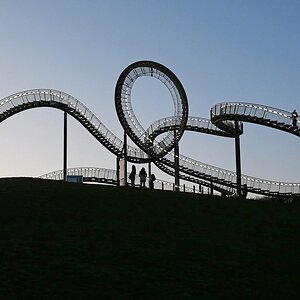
(223, 116)
(272, 117)
(109, 176)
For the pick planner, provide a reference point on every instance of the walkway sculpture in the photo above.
(109, 176)
(226, 120)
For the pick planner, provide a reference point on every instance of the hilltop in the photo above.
(77, 241)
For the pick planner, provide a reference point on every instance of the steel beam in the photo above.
(118, 171)
(149, 168)
(176, 163)
(125, 158)
(238, 159)
(65, 146)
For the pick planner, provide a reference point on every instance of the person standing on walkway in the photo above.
(151, 181)
(294, 117)
(132, 175)
(143, 176)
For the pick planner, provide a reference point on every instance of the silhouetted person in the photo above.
(132, 175)
(151, 181)
(245, 191)
(143, 176)
(294, 117)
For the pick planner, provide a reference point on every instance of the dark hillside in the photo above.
(73, 241)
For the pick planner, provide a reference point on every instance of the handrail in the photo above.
(223, 115)
(92, 174)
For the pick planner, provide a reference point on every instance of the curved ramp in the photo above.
(223, 113)
(223, 116)
(109, 176)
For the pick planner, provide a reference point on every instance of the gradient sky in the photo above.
(244, 51)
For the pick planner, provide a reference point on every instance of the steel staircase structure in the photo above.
(222, 113)
(109, 176)
(223, 117)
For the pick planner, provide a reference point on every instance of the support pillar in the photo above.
(238, 159)
(65, 146)
(149, 171)
(176, 162)
(118, 171)
(125, 158)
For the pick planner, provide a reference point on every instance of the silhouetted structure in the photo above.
(237, 133)
(143, 176)
(226, 120)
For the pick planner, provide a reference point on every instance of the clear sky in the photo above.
(244, 51)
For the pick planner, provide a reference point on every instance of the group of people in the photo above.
(143, 177)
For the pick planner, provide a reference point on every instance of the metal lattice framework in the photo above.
(223, 118)
(224, 113)
(108, 176)
(130, 123)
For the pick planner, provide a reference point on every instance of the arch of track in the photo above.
(191, 170)
(35, 98)
(225, 116)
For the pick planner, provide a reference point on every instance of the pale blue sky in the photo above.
(220, 50)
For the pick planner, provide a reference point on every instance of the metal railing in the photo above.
(251, 112)
(110, 176)
(255, 111)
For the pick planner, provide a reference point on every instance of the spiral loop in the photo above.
(140, 136)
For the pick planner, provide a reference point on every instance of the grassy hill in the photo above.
(72, 241)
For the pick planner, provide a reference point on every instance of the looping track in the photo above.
(145, 139)
(221, 124)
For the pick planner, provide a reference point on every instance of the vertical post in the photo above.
(65, 146)
(238, 159)
(149, 169)
(211, 188)
(176, 162)
(118, 171)
(125, 158)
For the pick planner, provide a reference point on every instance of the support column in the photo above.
(176, 162)
(118, 171)
(65, 146)
(125, 158)
(238, 159)
(149, 169)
